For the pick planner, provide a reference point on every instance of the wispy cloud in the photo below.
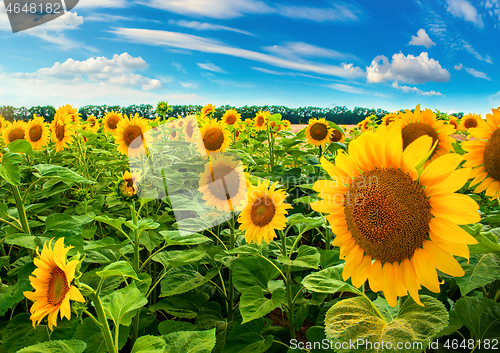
(463, 9)
(472, 51)
(299, 50)
(190, 42)
(103, 3)
(472, 72)
(416, 90)
(189, 85)
(204, 26)
(211, 67)
(338, 13)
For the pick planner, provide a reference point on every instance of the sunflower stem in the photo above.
(106, 332)
(318, 168)
(137, 267)
(230, 309)
(288, 280)
(20, 209)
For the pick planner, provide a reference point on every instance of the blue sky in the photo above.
(392, 55)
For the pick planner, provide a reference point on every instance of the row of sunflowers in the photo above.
(195, 234)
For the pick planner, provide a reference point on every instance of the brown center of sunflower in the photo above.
(260, 121)
(413, 131)
(387, 214)
(112, 122)
(263, 211)
(35, 133)
(389, 121)
(129, 181)
(60, 132)
(454, 123)
(16, 134)
(229, 184)
(92, 122)
(319, 131)
(230, 119)
(470, 123)
(189, 129)
(336, 136)
(130, 134)
(58, 286)
(213, 139)
(492, 156)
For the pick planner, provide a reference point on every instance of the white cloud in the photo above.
(411, 69)
(346, 88)
(189, 85)
(300, 49)
(204, 26)
(472, 72)
(472, 51)
(221, 9)
(416, 90)
(102, 3)
(495, 99)
(117, 71)
(190, 42)
(422, 38)
(211, 67)
(464, 10)
(339, 13)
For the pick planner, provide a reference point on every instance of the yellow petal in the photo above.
(450, 247)
(410, 280)
(417, 150)
(353, 260)
(425, 270)
(449, 231)
(361, 273)
(454, 182)
(389, 284)
(443, 260)
(375, 276)
(440, 167)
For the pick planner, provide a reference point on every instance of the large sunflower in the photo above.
(260, 120)
(14, 131)
(216, 137)
(470, 121)
(207, 110)
(265, 212)
(37, 132)
(420, 123)
(395, 226)
(110, 121)
(318, 132)
(130, 136)
(92, 124)
(73, 113)
(484, 155)
(223, 183)
(62, 130)
(52, 284)
(231, 117)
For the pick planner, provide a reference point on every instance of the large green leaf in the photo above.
(186, 305)
(149, 344)
(59, 173)
(328, 281)
(113, 222)
(252, 271)
(120, 268)
(9, 168)
(354, 319)
(247, 338)
(91, 334)
(13, 294)
(254, 305)
(308, 257)
(480, 315)
(20, 333)
(21, 146)
(481, 270)
(121, 305)
(181, 280)
(209, 317)
(190, 341)
(168, 326)
(487, 243)
(178, 258)
(60, 346)
(59, 225)
(175, 238)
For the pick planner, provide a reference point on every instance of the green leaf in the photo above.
(149, 344)
(9, 168)
(120, 268)
(113, 222)
(175, 238)
(59, 225)
(20, 333)
(59, 173)
(60, 346)
(252, 271)
(210, 317)
(121, 305)
(181, 280)
(14, 293)
(142, 225)
(186, 305)
(254, 305)
(481, 270)
(178, 258)
(190, 341)
(21, 146)
(169, 326)
(487, 242)
(355, 319)
(328, 281)
(308, 257)
(480, 315)
(91, 334)
(316, 335)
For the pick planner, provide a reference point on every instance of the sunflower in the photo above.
(52, 284)
(389, 119)
(337, 136)
(73, 113)
(207, 110)
(216, 137)
(318, 132)
(62, 130)
(191, 130)
(470, 121)
(231, 117)
(453, 122)
(171, 128)
(3, 122)
(260, 120)
(265, 212)
(92, 124)
(37, 132)
(420, 123)
(363, 125)
(14, 131)
(130, 136)
(110, 121)
(394, 225)
(484, 155)
(223, 183)
(127, 184)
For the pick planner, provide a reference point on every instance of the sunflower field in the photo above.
(197, 234)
